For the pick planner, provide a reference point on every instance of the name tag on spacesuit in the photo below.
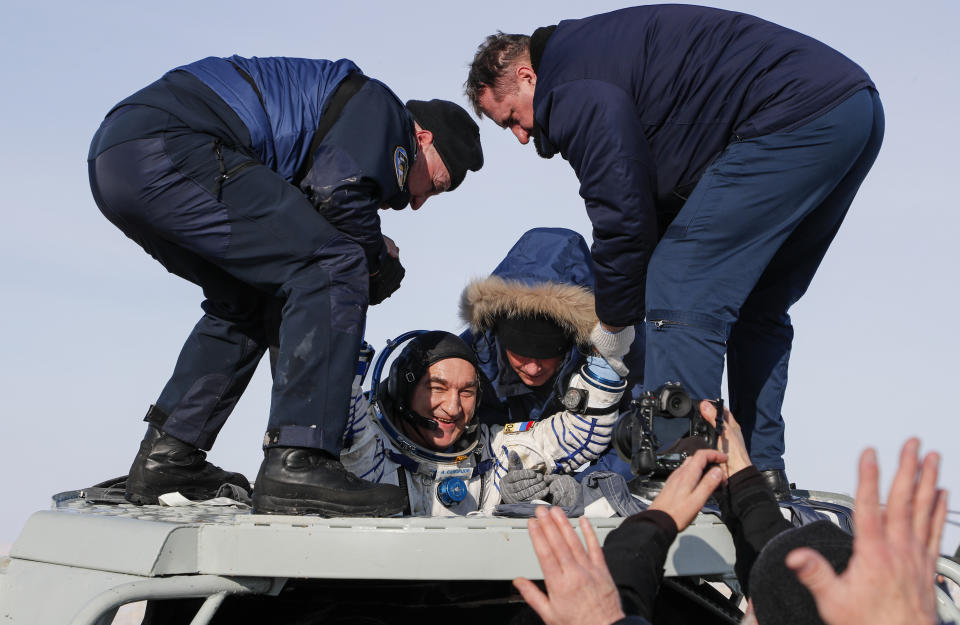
(516, 428)
(461, 472)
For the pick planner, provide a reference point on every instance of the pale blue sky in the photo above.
(94, 325)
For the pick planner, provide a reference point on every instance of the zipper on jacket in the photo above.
(226, 174)
(661, 323)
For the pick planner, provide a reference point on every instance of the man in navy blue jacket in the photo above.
(717, 155)
(261, 180)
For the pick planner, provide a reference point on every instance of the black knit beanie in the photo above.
(532, 337)
(425, 350)
(778, 596)
(455, 135)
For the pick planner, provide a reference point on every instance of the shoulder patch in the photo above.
(401, 165)
(516, 428)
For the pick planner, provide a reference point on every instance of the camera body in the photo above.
(636, 442)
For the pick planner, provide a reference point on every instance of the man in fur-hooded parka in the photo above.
(545, 279)
(546, 275)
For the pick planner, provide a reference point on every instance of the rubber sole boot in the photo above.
(777, 480)
(299, 480)
(166, 464)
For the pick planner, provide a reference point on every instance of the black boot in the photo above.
(299, 480)
(165, 464)
(777, 481)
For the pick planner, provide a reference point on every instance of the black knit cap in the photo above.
(532, 337)
(455, 135)
(778, 596)
(431, 347)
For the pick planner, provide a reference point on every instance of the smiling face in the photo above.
(446, 394)
(533, 371)
(510, 104)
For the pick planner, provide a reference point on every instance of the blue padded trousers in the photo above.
(245, 238)
(742, 250)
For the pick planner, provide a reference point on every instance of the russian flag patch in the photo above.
(516, 428)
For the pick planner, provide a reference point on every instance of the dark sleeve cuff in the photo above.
(635, 553)
(751, 513)
(663, 521)
(375, 257)
(747, 491)
(745, 475)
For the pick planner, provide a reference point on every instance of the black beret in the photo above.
(455, 135)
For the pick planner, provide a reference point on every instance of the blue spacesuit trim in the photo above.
(380, 456)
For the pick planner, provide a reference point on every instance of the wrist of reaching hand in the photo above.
(657, 517)
(605, 341)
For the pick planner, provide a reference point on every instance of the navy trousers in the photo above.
(245, 239)
(742, 250)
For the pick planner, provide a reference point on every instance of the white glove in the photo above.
(613, 346)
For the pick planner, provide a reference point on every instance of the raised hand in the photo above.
(730, 440)
(580, 590)
(889, 580)
(689, 487)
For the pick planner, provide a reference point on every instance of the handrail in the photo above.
(945, 606)
(214, 587)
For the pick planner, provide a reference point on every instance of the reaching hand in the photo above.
(613, 345)
(519, 484)
(730, 440)
(387, 280)
(889, 580)
(392, 248)
(580, 590)
(688, 487)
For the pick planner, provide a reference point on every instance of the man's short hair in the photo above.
(494, 56)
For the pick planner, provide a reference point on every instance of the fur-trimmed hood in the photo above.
(548, 272)
(486, 300)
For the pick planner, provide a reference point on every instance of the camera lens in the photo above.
(678, 404)
(622, 440)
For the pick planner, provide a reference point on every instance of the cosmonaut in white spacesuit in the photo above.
(419, 428)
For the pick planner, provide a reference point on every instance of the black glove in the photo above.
(387, 280)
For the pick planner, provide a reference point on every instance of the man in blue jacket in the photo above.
(717, 155)
(261, 179)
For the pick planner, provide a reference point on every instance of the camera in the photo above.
(636, 442)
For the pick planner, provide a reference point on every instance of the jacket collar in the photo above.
(538, 43)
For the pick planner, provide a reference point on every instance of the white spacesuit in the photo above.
(466, 477)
